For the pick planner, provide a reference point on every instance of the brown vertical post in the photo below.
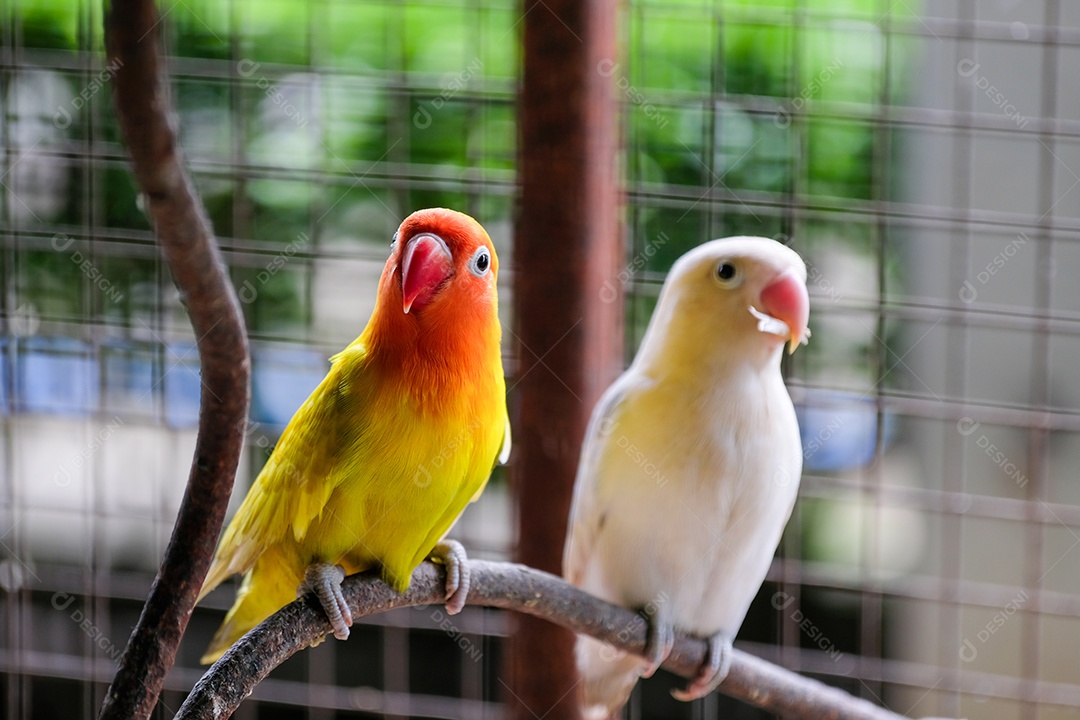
(568, 310)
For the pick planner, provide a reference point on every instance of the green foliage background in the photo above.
(305, 120)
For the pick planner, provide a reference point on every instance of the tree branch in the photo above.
(141, 95)
(512, 587)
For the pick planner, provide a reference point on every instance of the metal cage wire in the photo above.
(922, 159)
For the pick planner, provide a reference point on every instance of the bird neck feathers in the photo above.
(434, 355)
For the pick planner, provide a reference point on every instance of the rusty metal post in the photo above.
(568, 309)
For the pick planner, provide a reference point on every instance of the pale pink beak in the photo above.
(426, 264)
(786, 299)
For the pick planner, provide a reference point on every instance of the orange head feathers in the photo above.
(437, 294)
(441, 262)
(442, 259)
(445, 255)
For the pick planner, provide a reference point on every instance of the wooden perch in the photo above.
(141, 95)
(512, 587)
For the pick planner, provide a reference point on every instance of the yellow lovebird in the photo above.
(382, 458)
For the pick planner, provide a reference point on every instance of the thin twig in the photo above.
(141, 95)
(513, 587)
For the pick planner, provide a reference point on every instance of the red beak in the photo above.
(426, 264)
(786, 299)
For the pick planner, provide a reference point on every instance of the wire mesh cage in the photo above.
(922, 158)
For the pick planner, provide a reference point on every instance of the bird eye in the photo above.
(480, 263)
(728, 275)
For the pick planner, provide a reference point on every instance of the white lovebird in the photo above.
(691, 464)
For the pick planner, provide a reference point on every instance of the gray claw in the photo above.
(324, 580)
(451, 553)
(659, 640)
(712, 672)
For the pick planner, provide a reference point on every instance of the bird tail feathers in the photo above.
(608, 677)
(217, 574)
(269, 586)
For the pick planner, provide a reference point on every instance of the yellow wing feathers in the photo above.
(292, 489)
(351, 478)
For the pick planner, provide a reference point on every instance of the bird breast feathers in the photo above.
(728, 442)
(359, 438)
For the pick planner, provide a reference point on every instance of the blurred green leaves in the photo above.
(335, 119)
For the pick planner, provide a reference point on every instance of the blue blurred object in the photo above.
(5, 367)
(281, 382)
(128, 375)
(59, 375)
(182, 380)
(839, 430)
(64, 376)
(54, 375)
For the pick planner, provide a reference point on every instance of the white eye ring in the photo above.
(728, 275)
(480, 264)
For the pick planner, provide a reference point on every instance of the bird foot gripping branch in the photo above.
(712, 672)
(451, 554)
(324, 581)
(659, 642)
